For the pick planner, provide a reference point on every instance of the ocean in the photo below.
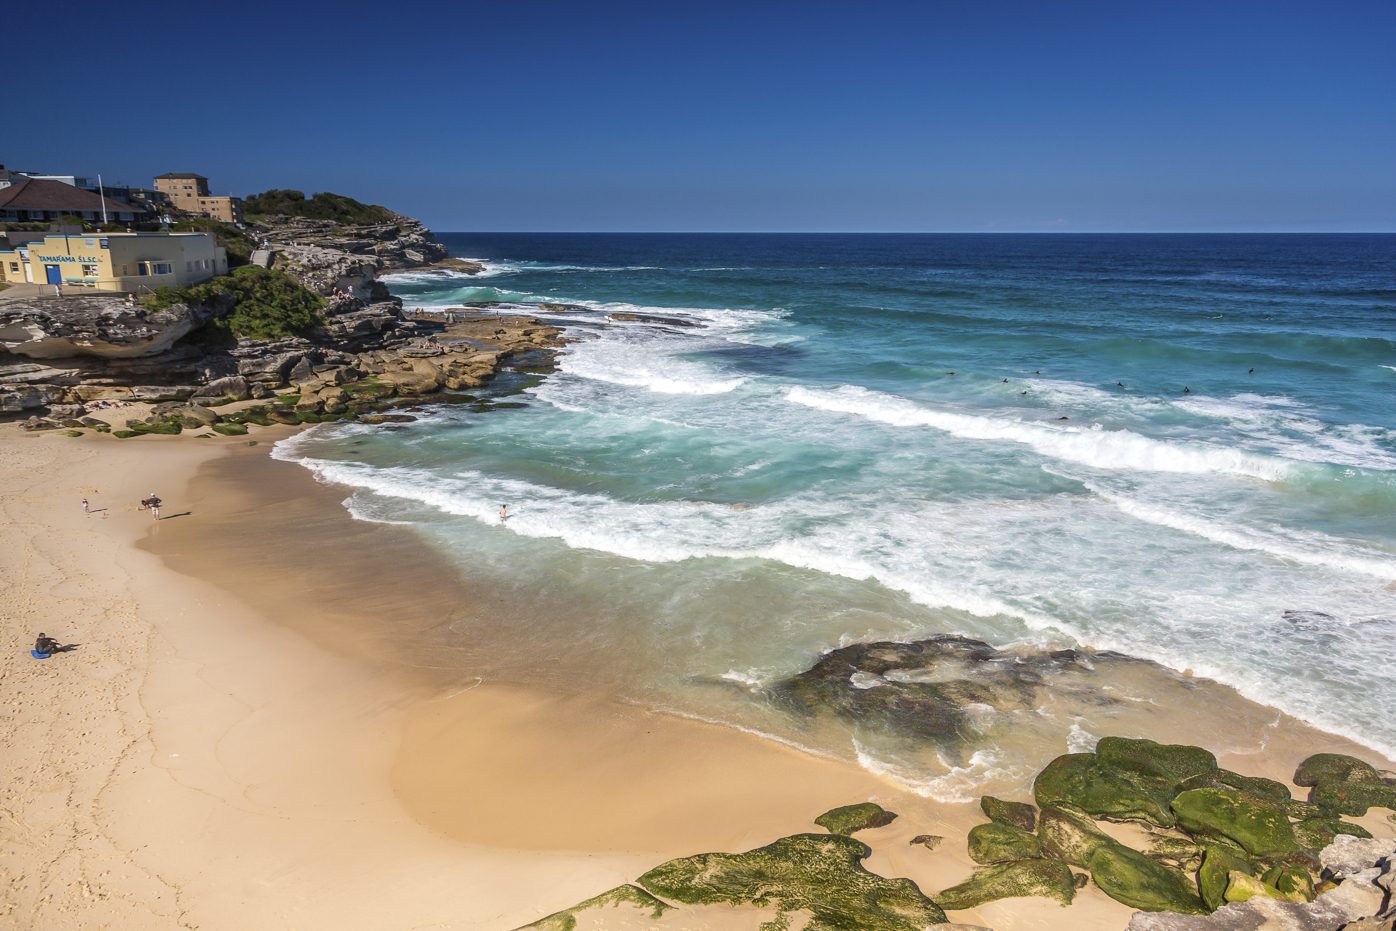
(1178, 447)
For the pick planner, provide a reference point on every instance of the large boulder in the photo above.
(1260, 826)
(850, 818)
(108, 327)
(999, 843)
(1069, 836)
(1082, 782)
(1017, 879)
(1218, 863)
(1019, 814)
(1170, 762)
(1130, 877)
(233, 387)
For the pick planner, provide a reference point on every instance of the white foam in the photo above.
(1093, 446)
(1335, 554)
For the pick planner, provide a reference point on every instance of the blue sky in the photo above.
(738, 116)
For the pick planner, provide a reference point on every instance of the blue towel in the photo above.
(37, 655)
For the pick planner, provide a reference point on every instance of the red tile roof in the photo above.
(35, 194)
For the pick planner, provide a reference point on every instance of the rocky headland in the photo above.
(61, 357)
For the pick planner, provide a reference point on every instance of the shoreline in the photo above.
(277, 757)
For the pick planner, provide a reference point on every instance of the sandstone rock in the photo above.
(23, 397)
(413, 383)
(66, 411)
(929, 841)
(34, 423)
(1349, 855)
(309, 404)
(234, 387)
(109, 327)
(103, 393)
(387, 418)
(163, 392)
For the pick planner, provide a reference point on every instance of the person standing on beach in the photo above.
(84, 507)
(154, 504)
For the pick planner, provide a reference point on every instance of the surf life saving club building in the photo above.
(116, 261)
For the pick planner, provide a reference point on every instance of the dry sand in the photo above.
(239, 741)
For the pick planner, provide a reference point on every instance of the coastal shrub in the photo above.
(321, 206)
(269, 305)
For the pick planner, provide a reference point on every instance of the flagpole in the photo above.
(102, 195)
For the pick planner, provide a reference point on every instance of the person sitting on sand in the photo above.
(46, 645)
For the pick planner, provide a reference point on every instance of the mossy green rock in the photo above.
(1243, 887)
(566, 920)
(1353, 798)
(852, 818)
(1048, 878)
(1082, 782)
(1258, 786)
(1170, 762)
(1177, 850)
(999, 843)
(1218, 863)
(1019, 814)
(1260, 826)
(1130, 877)
(821, 873)
(163, 427)
(1334, 767)
(1290, 880)
(1317, 833)
(125, 434)
(230, 429)
(1069, 836)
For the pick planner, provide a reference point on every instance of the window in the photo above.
(89, 271)
(90, 243)
(188, 266)
(162, 268)
(104, 244)
(14, 266)
(142, 268)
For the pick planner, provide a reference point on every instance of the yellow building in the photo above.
(189, 192)
(116, 261)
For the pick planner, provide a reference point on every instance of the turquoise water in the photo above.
(891, 436)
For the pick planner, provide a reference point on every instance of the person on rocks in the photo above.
(46, 645)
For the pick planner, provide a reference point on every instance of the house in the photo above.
(37, 199)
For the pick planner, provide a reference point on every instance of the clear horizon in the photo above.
(766, 117)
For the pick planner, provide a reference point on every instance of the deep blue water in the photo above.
(888, 436)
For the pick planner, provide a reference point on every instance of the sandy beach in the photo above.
(251, 730)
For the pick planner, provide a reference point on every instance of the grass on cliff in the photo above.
(321, 206)
(270, 305)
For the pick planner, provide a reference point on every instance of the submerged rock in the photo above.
(999, 843)
(923, 689)
(1019, 814)
(1019, 878)
(851, 818)
(1129, 877)
(819, 873)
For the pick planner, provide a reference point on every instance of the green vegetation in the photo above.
(1015, 879)
(820, 873)
(321, 206)
(72, 433)
(270, 305)
(634, 896)
(239, 245)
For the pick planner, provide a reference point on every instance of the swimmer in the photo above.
(1187, 391)
(1251, 372)
(503, 516)
(1119, 384)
